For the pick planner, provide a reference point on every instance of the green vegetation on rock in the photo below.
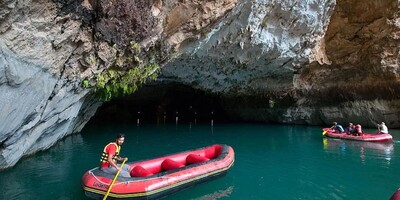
(115, 84)
(127, 75)
(85, 83)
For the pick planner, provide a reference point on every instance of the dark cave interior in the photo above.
(163, 104)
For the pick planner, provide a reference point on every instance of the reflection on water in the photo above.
(217, 195)
(377, 150)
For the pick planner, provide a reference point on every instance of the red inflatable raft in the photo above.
(366, 137)
(396, 195)
(158, 177)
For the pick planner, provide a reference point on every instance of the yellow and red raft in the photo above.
(158, 177)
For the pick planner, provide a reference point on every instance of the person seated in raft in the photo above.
(350, 129)
(382, 128)
(358, 131)
(110, 156)
(337, 127)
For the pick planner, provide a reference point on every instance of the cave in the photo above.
(163, 103)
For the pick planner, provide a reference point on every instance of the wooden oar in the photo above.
(115, 178)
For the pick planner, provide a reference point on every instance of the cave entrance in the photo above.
(163, 104)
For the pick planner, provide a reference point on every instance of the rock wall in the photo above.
(40, 101)
(256, 48)
(357, 78)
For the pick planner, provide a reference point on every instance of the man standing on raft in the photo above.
(110, 156)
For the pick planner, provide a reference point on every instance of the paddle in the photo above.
(115, 178)
(324, 132)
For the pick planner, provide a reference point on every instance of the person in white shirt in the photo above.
(382, 128)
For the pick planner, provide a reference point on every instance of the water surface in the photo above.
(272, 162)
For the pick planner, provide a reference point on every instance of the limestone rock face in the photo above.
(41, 100)
(256, 48)
(358, 76)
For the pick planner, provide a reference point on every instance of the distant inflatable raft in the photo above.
(396, 195)
(155, 178)
(366, 136)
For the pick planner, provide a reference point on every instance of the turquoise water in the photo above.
(272, 162)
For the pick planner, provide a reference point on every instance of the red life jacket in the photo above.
(104, 155)
(358, 128)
